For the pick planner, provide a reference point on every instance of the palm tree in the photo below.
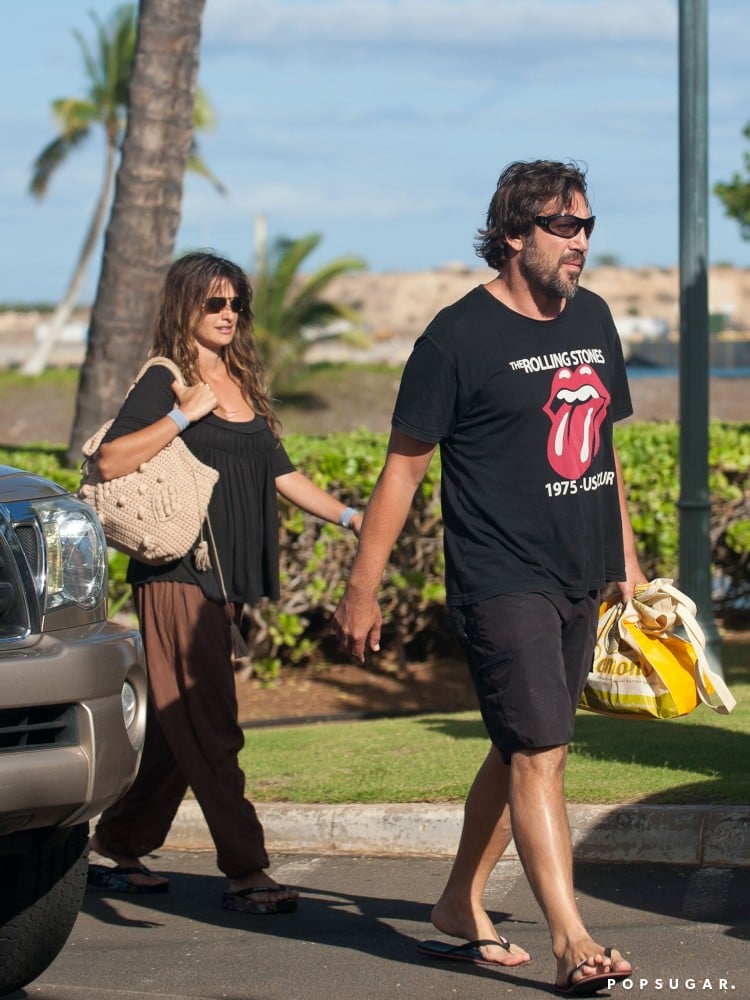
(109, 67)
(141, 232)
(285, 305)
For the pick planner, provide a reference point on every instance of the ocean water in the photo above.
(656, 371)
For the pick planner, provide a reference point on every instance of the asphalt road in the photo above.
(353, 937)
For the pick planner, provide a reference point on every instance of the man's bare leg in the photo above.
(485, 835)
(542, 837)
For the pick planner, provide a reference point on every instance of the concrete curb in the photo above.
(707, 836)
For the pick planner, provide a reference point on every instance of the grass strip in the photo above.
(701, 758)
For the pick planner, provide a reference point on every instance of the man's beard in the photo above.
(545, 276)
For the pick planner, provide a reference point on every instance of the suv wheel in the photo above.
(42, 891)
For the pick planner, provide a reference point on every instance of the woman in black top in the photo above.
(193, 737)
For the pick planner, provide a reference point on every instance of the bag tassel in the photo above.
(202, 556)
(240, 653)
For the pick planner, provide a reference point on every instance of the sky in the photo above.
(383, 125)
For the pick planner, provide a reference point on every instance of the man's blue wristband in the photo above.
(346, 517)
(179, 418)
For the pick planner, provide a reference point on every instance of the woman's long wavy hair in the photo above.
(523, 189)
(187, 285)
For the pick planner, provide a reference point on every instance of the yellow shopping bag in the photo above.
(642, 668)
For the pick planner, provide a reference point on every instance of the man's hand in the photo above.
(357, 623)
(634, 577)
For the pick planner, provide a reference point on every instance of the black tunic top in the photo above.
(243, 509)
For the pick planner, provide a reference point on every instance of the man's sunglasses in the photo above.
(566, 226)
(216, 303)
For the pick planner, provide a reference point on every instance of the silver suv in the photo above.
(72, 714)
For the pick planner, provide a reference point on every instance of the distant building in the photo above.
(641, 327)
(74, 332)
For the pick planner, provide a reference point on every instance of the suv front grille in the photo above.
(39, 727)
(14, 612)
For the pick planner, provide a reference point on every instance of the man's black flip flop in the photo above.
(469, 952)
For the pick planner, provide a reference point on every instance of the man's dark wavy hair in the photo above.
(523, 189)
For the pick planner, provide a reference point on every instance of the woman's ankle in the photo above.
(121, 860)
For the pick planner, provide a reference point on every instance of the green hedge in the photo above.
(649, 453)
(315, 557)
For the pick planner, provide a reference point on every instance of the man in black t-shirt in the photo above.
(519, 384)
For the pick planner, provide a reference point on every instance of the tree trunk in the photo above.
(140, 237)
(37, 362)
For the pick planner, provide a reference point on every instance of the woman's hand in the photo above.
(126, 453)
(195, 401)
(308, 496)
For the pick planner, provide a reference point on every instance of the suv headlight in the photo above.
(75, 564)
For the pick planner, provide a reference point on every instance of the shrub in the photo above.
(649, 453)
(316, 557)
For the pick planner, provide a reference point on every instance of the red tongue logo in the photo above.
(577, 406)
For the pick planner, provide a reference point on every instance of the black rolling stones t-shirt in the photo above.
(523, 411)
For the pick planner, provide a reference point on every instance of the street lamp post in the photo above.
(695, 501)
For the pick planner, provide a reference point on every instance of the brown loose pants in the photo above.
(192, 733)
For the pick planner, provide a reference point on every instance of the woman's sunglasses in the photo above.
(216, 303)
(566, 226)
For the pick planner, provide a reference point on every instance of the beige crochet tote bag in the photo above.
(156, 513)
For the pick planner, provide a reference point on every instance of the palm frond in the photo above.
(123, 36)
(317, 281)
(50, 159)
(285, 304)
(89, 61)
(323, 312)
(109, 65)
(288, 256)
(306, 300)
(72, 113)
(196, 165)
(204, 116)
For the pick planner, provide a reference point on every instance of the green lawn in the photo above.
(702, 758)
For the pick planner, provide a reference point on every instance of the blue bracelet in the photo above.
(346, 517)
(179, 418)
